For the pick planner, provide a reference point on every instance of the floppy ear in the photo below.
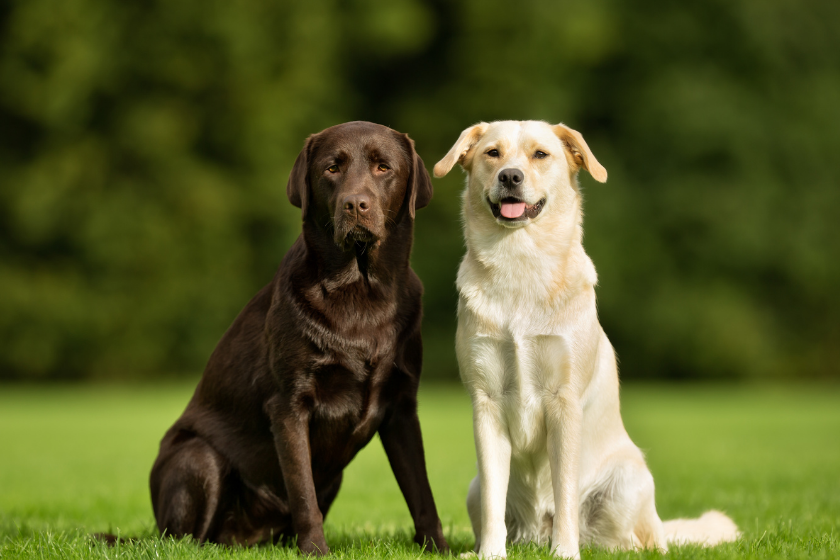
(297, 188)
(579, 153)
(418, 192)
(458, 153)
(420, 185)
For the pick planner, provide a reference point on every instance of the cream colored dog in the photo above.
(554, 458)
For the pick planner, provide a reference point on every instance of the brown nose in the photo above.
(356, 204)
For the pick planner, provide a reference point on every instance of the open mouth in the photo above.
(511, 209)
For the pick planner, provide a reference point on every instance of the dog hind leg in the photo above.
(618, 510)
(648, 532)
(187, 487)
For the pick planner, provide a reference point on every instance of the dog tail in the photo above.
(711, 528)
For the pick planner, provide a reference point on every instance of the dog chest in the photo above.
(514, 378)
(347, 408)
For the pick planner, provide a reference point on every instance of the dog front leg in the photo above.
(492, 446)
(291, 438)
(403, 443)
(564, 417)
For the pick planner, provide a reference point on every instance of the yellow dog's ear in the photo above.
(459, 153)
(578, 153)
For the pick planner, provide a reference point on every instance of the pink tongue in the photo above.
(513, 209)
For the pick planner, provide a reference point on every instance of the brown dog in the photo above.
(324, 357)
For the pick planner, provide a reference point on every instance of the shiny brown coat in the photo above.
(321, 359)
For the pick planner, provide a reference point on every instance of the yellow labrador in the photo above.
(554, 458)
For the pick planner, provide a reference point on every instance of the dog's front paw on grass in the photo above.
(313, 546)
(566, 552)
(435, 543)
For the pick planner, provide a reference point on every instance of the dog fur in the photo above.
(324, 357)
(554, 459)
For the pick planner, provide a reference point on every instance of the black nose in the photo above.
(356, 204)
(511, 178)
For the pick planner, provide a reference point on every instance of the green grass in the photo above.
(75, 460)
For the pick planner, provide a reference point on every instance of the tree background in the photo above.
(145, 147)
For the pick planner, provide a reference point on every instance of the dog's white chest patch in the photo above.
(518, 375)
(539, 375)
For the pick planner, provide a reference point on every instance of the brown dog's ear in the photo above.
(297, 188)
(578, 152)
(418, 192)
(459, 152)
(420, 185)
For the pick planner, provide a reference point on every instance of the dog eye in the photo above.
(540, 154)
(332, 169)
(493, 153)
(383, 167)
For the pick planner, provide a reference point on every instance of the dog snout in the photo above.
(358, 217)
(356, 205)
(511, 178)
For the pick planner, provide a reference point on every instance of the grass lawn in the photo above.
(75, 460)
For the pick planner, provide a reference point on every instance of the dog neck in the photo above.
(541, 262)
(375, 265)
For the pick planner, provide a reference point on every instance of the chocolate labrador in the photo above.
(324, 357)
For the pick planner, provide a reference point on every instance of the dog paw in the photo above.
(470, 554)
(566, 552)
(433, 543)
(313, 546)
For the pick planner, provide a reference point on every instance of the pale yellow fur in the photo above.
(554, 459)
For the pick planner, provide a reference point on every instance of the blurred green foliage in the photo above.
(144, 149)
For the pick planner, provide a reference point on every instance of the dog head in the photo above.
(357, 180)
(517, 169)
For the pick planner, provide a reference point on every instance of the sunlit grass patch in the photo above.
(76, 460)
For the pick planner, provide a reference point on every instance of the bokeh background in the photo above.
(145, 147)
